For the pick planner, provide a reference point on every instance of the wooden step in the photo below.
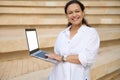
(108, 60)
(58, 3)
(54, 10)
(19, 65)
(110, 33)
(105, 33)
(38, 20)
(112, 76)
(15, 39)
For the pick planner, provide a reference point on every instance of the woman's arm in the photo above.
(73, 59)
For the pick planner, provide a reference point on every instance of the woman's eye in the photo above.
(69, 12)
(77, 11)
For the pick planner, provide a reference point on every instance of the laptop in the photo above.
(33, 46)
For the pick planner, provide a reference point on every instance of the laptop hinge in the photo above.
(33, 51)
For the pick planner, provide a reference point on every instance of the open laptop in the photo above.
(33, 46)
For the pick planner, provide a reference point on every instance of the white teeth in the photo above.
(75, 19)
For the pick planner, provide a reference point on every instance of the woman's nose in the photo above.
(74, 14)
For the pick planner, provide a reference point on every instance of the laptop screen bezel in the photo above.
(34, 50)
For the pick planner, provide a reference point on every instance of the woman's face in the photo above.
(75, 14)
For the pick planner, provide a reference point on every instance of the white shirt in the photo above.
(85, 43)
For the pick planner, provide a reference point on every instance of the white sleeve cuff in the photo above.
(82, 59)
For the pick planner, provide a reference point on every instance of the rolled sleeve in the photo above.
(88, 55)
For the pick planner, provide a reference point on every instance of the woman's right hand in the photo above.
(54, 56)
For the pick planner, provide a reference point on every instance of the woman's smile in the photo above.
(75, 19)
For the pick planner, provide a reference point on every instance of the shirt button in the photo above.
(69, 42)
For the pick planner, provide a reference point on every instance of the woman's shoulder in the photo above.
(89, 29)
(65, 30)
(62, 32)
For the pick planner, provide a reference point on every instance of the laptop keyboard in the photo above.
(40, 54)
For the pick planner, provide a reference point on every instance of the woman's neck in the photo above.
(75, 27)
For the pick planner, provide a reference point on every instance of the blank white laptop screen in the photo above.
(32, 40)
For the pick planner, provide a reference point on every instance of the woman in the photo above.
(76, 47)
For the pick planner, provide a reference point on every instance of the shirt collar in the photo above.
(82, 28)
(67, 29)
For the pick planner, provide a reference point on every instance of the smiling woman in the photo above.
(76, 47)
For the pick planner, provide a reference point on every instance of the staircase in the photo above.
(48, 17)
